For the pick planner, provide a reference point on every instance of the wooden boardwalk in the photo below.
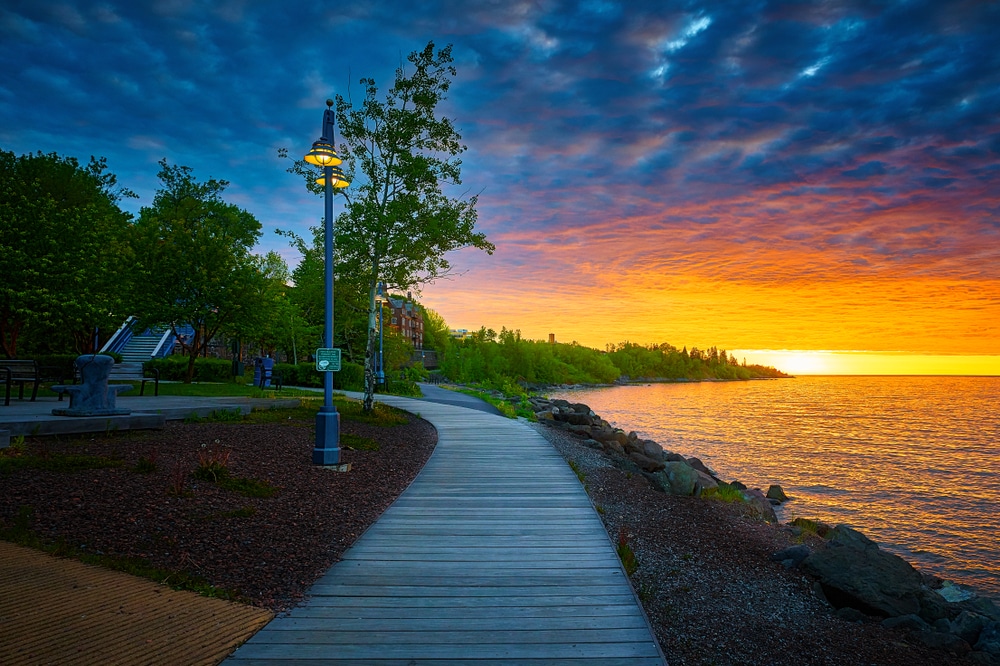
(493, 555)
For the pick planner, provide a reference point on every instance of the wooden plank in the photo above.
(464, 623)
(579, 613)
(252, 650)
(405, 661)
(493, 554)
(456, 637)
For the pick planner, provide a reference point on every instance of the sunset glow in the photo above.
(816, 177)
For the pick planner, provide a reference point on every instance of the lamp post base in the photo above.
(327, 451)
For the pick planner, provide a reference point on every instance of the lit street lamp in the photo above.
(381, 315)
(323, 154)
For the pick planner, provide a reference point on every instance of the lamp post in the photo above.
(381, 316)
(323, 154)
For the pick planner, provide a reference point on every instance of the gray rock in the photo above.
(909, 622)
(738, 485)
(674, 457)
(776, 493)
(651, 449)
(704, 482)
(644, 463)
(677, 478)
(760, 506)
(989, 639)
(794, 553)
(968, 626)
(942, 625)
(947, 642)
(855, 572)
(700, 466)
(613, 447)
(592, 443)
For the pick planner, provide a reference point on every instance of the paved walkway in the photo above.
(493, 555)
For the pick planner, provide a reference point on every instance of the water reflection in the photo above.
(911, 461)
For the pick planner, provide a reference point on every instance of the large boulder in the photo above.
(759, 505)
(700, 466)
(644, 463)
(704, 482)
(989, 639)
(855, 572)
(651, 449)
(677, 478)
(775, 492)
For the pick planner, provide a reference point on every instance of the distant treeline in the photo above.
(488, 357)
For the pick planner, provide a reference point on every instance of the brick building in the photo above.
(406, 319)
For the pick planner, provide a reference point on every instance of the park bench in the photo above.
(127, 372)
(25, 371)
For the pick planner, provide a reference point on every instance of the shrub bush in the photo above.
(174, 368)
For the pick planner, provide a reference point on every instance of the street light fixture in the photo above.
(324, 154)
(381, 316)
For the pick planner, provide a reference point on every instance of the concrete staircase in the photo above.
(141, 347)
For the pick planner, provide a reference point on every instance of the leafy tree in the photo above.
(437, 335)
(65, 255)
(197, 268)
(401, 154)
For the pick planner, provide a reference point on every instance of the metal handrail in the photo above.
(115, 343)
(163, 340)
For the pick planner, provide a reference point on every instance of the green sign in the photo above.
(328, 360)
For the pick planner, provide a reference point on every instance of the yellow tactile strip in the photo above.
(58, 611)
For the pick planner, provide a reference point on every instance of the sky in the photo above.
(815, 185)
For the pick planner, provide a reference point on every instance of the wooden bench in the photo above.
(136, 372)
(24, 371)
(127, 372)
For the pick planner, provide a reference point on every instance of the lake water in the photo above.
(913, 462)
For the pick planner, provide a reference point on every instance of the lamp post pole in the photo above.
(323, 154)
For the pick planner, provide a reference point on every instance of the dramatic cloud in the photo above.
(746, 174)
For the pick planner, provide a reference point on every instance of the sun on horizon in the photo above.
(830, 362)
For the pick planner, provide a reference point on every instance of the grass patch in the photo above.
(724, 493)
(20, 533)
(811, 526)
(349, 409)
(579, 472)
(248, 487)
(381, 414)
(357, 442)
(504, 407)
(145, 466)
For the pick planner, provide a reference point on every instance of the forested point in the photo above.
(491, 358)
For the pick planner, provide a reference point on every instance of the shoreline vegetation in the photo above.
(847, 581)
(490, 358)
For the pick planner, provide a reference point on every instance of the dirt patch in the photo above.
(266, 550)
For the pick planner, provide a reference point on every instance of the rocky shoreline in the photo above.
(844, 570)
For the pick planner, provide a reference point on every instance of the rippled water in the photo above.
(913, 462)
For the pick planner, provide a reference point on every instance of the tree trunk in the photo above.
(192, 355)
(369, 402)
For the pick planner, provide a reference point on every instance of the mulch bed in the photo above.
(268, 550)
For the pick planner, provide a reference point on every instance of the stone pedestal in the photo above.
(93, 396)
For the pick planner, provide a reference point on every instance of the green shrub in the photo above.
(813, 526)
(174, 368)
(725, 493)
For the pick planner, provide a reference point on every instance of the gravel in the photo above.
(709, 588)
(268, 550)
